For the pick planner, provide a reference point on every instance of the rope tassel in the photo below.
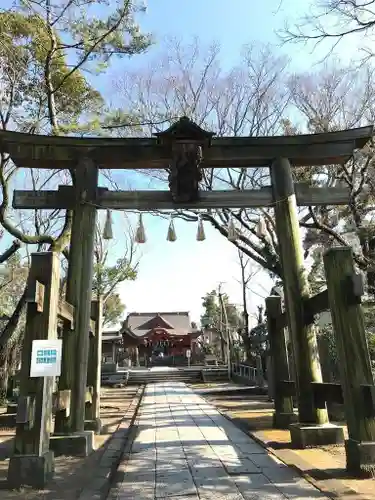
(171, 236)
(200, 231)
(232, 232)
(107, 231)
(140, 235)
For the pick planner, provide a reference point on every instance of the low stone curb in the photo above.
(336, 491)
(119, 445)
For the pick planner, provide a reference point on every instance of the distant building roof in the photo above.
(175, 323)
(111, 338)
(111, 335)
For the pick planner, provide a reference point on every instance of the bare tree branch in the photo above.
(15, 246)
(333, 21)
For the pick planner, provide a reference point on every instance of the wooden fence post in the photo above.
(344, 291)
(33, 463)
(94, 367)
(283, 415)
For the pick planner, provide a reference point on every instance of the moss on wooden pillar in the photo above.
(296, 288)
(78, 293)
(284, 414)
(354, 360)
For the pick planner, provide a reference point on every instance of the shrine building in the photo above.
(169, 333)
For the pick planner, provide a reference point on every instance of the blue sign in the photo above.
(46, 356)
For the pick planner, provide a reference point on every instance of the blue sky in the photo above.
(233, 24)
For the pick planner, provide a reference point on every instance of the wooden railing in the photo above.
(244, 371)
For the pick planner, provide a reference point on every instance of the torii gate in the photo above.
(184, 149)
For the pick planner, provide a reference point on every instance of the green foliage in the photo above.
(328, 354)
(107, 277)
(116, 119)
(212, 315)
(47, 52)
(211, 308)
(113, 309)
(24, 55)
(99, 39)
(371, 345)
(369, 313)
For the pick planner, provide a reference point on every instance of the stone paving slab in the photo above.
(186, 450)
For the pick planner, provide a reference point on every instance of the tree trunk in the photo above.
(4, 373)
(6, 335)
(13, 322)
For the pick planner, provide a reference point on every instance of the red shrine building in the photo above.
(159, 334)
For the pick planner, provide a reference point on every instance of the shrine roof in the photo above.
(174, 323)
(38, 151)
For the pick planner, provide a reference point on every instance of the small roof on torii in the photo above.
(184, 129)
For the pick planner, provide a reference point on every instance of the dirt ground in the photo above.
(71, 473)
(325, 466)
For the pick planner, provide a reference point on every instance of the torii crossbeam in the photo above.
(35, 151)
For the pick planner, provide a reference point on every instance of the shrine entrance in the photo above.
(159, 338)
(160, 342)
(186, 151)
(159, 349)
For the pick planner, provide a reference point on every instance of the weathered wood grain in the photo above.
(349, 328)
(142, 153)
(305, 350)
(45, 269)
(65, 311)
(280, 368)
(162, 200)
(35, 294)
(78, 293)
(95, 360)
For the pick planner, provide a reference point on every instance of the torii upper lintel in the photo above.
(39, 151)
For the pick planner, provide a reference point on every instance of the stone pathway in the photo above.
(186, 450)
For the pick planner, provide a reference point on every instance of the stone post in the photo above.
(344, 292)
(33, 463)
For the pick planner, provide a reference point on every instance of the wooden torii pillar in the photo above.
(79, 293)
(185, 149)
